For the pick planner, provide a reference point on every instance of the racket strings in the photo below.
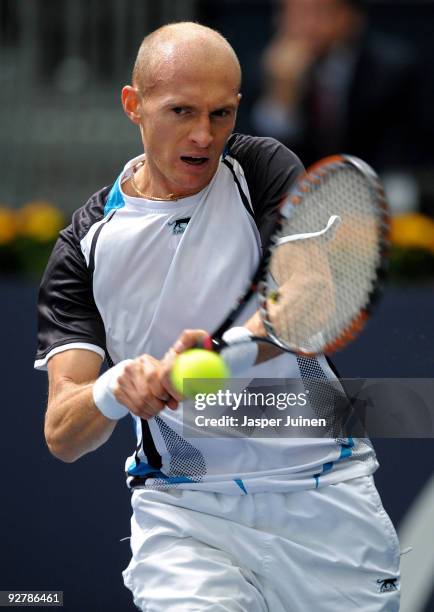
(324, 282)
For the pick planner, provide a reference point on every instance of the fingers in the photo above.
(165, 372)
(139, 388)
(158, 386)
(144, 385)
(189, 339)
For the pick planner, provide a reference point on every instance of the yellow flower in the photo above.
(412, 231)
(8, 225)
(40, 220)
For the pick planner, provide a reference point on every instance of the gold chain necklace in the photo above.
(170, 198)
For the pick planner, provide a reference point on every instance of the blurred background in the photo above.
(323, 76)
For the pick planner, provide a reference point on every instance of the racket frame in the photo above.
(310, 180)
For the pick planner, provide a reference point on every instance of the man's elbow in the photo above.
(59, 449)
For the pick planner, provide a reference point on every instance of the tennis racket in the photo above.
(321, 273)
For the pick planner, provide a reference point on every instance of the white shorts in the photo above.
(332, 549)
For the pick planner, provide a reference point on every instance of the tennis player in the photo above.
(242, 524)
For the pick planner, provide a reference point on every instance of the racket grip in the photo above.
(238, 350)
(234, 335)
(210, 344)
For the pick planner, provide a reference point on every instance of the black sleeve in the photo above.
(67, 312)
(270, 170)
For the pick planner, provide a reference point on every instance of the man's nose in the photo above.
(201, 133)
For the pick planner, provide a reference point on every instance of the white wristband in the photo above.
(241, 353)
(103, 396)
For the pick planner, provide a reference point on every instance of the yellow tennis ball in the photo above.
(198, 371)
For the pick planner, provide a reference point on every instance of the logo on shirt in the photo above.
(179, 225)
(387, 585)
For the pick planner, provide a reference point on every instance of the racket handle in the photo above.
(233, 335)
(207, 344)
(236, 348)
(211, 344)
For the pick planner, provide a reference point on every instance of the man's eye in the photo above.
(179, 110)
(222, 112)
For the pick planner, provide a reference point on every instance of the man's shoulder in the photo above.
(269, 169)
(88, 214)
(252, 150)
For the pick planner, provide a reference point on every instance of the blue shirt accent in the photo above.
(327, 466)
(115, 199)
(141, 469)
(177, 479)
(144, 469)
(346, 451)
(240, 483)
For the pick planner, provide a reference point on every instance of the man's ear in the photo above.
(131, 103)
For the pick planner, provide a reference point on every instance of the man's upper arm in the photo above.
(71, 368)
(68, 317)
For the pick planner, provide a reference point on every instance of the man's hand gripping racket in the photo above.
(318, 277)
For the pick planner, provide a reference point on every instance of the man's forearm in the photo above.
(73, 424)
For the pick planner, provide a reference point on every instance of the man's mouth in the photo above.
(194, 161)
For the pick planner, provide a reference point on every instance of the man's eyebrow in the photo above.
(176, 104)
(180, 104)
(230, 106)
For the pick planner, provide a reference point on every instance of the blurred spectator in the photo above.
(331, 85)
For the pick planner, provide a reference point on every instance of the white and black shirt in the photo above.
(130, 274)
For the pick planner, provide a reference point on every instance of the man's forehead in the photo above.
(196, 69)
(191, 63)
(191, 82)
